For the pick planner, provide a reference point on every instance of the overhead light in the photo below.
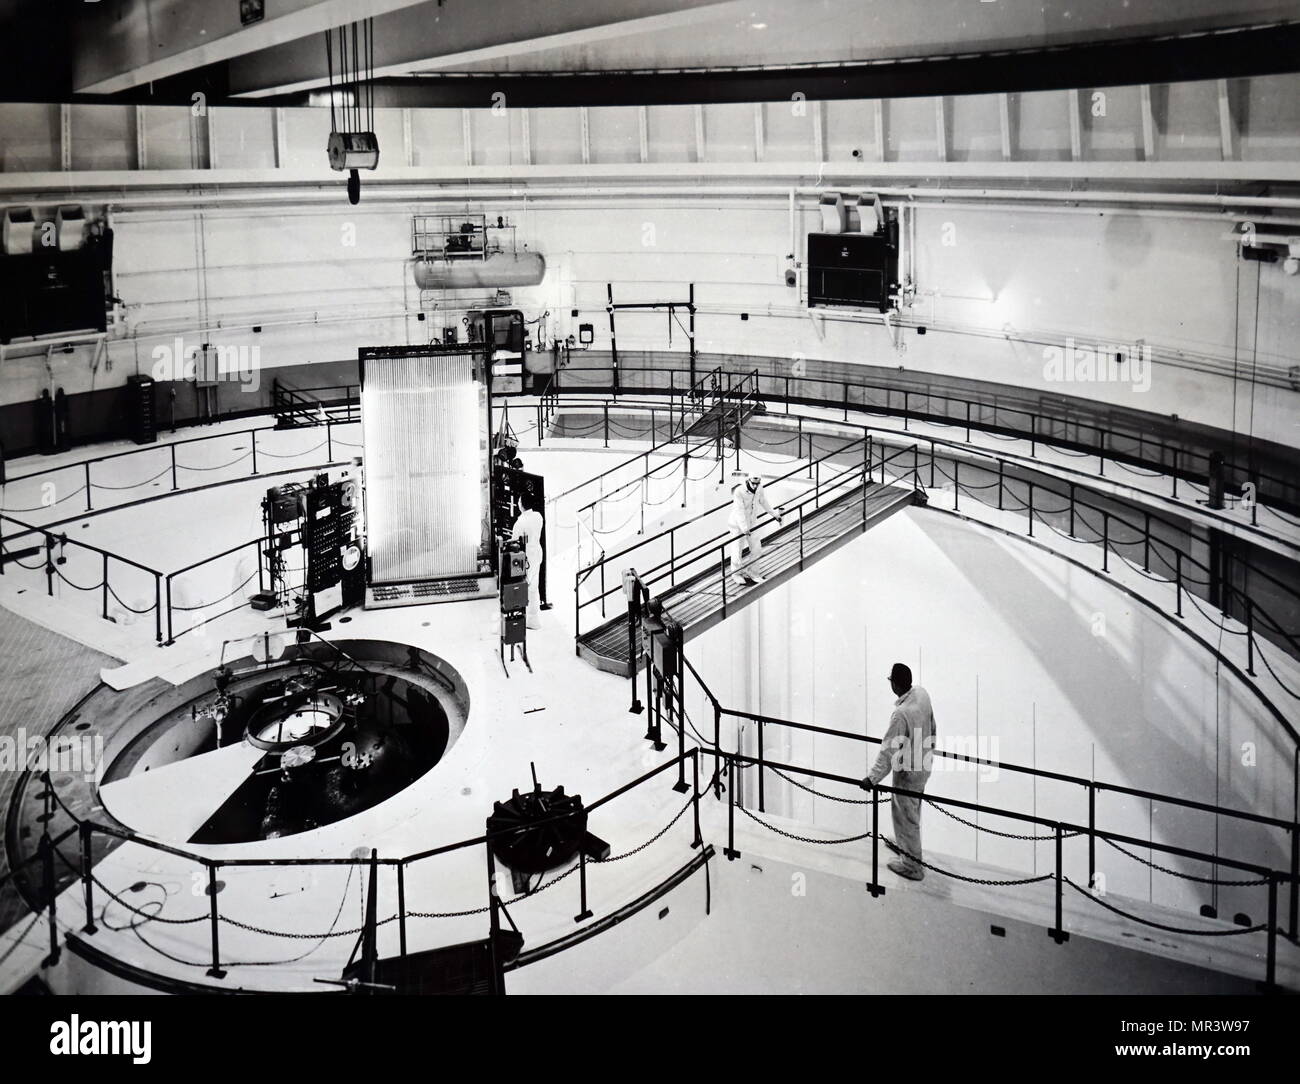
(758, 26)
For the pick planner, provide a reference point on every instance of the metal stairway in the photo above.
(709, 597)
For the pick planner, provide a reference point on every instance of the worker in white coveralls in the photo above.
(528, 530)
(906, 750)
(746, 501)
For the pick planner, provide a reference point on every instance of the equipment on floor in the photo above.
(313, 547)
(541, 830)
(142, 408)
(513, 567)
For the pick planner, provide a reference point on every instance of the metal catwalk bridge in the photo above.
(701, 590)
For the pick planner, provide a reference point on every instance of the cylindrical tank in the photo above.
(500, 269)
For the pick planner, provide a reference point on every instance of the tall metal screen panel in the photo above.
(424, 443)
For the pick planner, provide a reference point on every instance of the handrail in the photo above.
(86, 828)
(1172, 457)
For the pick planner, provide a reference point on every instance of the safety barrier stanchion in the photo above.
(88, 506)
(1295, 878)
(585, 913)
(494, 923)
(762, 808)
(1270, 973)
(1250, 636)
(698, 841)
(1092, 836)
(87, 882)
(1178, 584)
(1057, 932)
(1072, 534)
(677, 714)
(730, 849)
(1001, 488)
(254, 451)
(1030, 508)
(215, 970)
(1105, 542)
(956, 484)
(875, 887)
(103, 607)
(717, 750)
(401, 907)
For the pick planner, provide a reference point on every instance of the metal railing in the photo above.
(669, 701)
(686, 560)
(87, 830)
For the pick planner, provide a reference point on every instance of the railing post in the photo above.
(215, 970)
(585, 913)
(1178, 583)
(170, 632)
(967, 421)
(401, 907)
(607, 424)
(1101, 454)
(329, 441)
(157, 607)
(1030, 509)
(1146, 542)
(905, 404)
(46, 851)
(717, 750)
(722, 575)
(49, 564)
(875, 887)
(846, 400)
(761, 802)
(672, 558)
(698, 841)
(1270, 969)
(1057, 932)
(104, 588)
(254, 434)
(87, 881)
(1174, 471)
(730, 849)
(956, 483)
(1105, 542)
(1072, 535)
(1001, 474)
(87, 466)
(602, 587)
(1295, 882)
(1092, 836)
(1250, 636)
(172, 448)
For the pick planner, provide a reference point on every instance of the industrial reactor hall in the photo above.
(649, 497)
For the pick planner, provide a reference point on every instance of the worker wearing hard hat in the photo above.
(747, 499)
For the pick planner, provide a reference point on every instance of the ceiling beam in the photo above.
(120, 46)
(430, 37)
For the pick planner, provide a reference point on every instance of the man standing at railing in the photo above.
(906, 751)
(746, 500)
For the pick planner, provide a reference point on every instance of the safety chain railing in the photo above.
(82, 868)
(668, 672)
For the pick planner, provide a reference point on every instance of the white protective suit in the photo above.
(528, 529)
(743, 519)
